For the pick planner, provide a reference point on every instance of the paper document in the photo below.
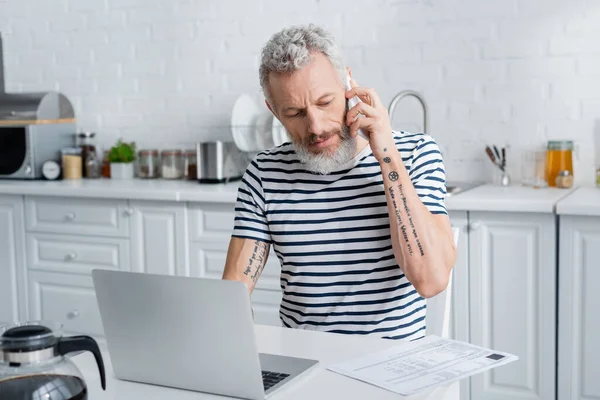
(414, 366)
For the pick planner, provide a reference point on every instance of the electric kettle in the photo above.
(33, 363)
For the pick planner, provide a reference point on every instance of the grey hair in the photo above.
(291, 48)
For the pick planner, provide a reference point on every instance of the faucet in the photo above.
(407, 93)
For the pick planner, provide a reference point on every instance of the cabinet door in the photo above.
(459, 318)
(12, 266)
(513, 302)
(159, 237)
(578, 316)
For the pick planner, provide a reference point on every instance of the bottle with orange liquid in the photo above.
(559, 157)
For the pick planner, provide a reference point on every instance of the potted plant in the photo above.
(121, 157)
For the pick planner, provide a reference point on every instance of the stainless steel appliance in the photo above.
(220, 162)
(34, 127)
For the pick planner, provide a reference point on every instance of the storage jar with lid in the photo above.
(148, 164)
(86, 142)
(191, 165)
(559, 157)
(172, 164)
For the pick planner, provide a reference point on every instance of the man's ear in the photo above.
(269, 107)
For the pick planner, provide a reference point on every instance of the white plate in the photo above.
(278, 133)
(262, 130)
(243, 117)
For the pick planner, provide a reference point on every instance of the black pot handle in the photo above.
(83, 343)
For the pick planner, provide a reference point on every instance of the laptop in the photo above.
(188, 333)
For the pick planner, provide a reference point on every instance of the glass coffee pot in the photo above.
(33, 363)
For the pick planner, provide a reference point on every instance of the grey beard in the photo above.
(323, 163)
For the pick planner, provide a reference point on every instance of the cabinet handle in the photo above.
(475, 225)
(70, 217)
(129, 212)
(71, 257)
(73, 314)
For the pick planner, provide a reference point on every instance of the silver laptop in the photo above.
(188, 333)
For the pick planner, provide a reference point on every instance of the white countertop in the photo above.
(514, 198)
(135, 189)
(583, 201)
(319, 383)
(486, 197)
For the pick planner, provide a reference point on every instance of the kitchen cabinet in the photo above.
(12, 250)
(459, 318)
(512, 265)
(158, 237)
(578, 316)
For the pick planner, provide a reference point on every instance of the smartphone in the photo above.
(351, 103)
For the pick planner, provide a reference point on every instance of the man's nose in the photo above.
(317, 123)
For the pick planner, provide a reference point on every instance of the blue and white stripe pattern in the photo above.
(331, 234)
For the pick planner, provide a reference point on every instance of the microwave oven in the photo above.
(24, 149)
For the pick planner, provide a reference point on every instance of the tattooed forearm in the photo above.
(401, 225)
(410, 221)
(257, 260)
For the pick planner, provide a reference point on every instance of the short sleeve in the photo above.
(250, 216)
(428, 175)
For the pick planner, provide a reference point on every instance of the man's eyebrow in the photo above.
(292, 108)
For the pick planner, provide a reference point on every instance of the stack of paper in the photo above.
(414, 366)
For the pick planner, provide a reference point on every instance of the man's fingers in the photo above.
(367, 95)
(360, 123)
(360, 108)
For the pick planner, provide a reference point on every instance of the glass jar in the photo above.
(559, 157)
(191, 165)
(86, 142)
(92, 166)
(72, 166)
(172, 164)
(148, 164)
(105, 165)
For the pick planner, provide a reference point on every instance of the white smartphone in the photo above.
(351, 103)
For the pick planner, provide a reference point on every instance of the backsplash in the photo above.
(516, 72)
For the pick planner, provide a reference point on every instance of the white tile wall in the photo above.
(166, 73)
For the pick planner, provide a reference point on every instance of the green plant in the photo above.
(122, 152)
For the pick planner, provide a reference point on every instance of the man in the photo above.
(360, 227)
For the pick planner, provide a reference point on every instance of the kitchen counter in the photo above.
(583, 201)
(515, 198)
(135, 189)
(320, 383)
(485, 197)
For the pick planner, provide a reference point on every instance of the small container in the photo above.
(564, 179)
(172, 164)
(559, 157)
(72, 165)
(105, 165)
(86, 141)
(191, 165)
(92, 166)
(148, 164)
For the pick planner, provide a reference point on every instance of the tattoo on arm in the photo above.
(393, 176)
(387, 160)
(410, 221)
(401, 225)
(385, 149)
(258, 260)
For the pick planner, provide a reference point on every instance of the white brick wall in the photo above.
(164, 74)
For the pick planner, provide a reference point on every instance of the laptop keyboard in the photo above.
(271, 379)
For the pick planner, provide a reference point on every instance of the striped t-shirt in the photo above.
(331, 234)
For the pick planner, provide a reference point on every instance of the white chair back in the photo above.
(439, 307)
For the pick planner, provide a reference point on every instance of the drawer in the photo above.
(211, 222)
(76, 254)
(208, 260)
(77, 216)
(64, 298)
